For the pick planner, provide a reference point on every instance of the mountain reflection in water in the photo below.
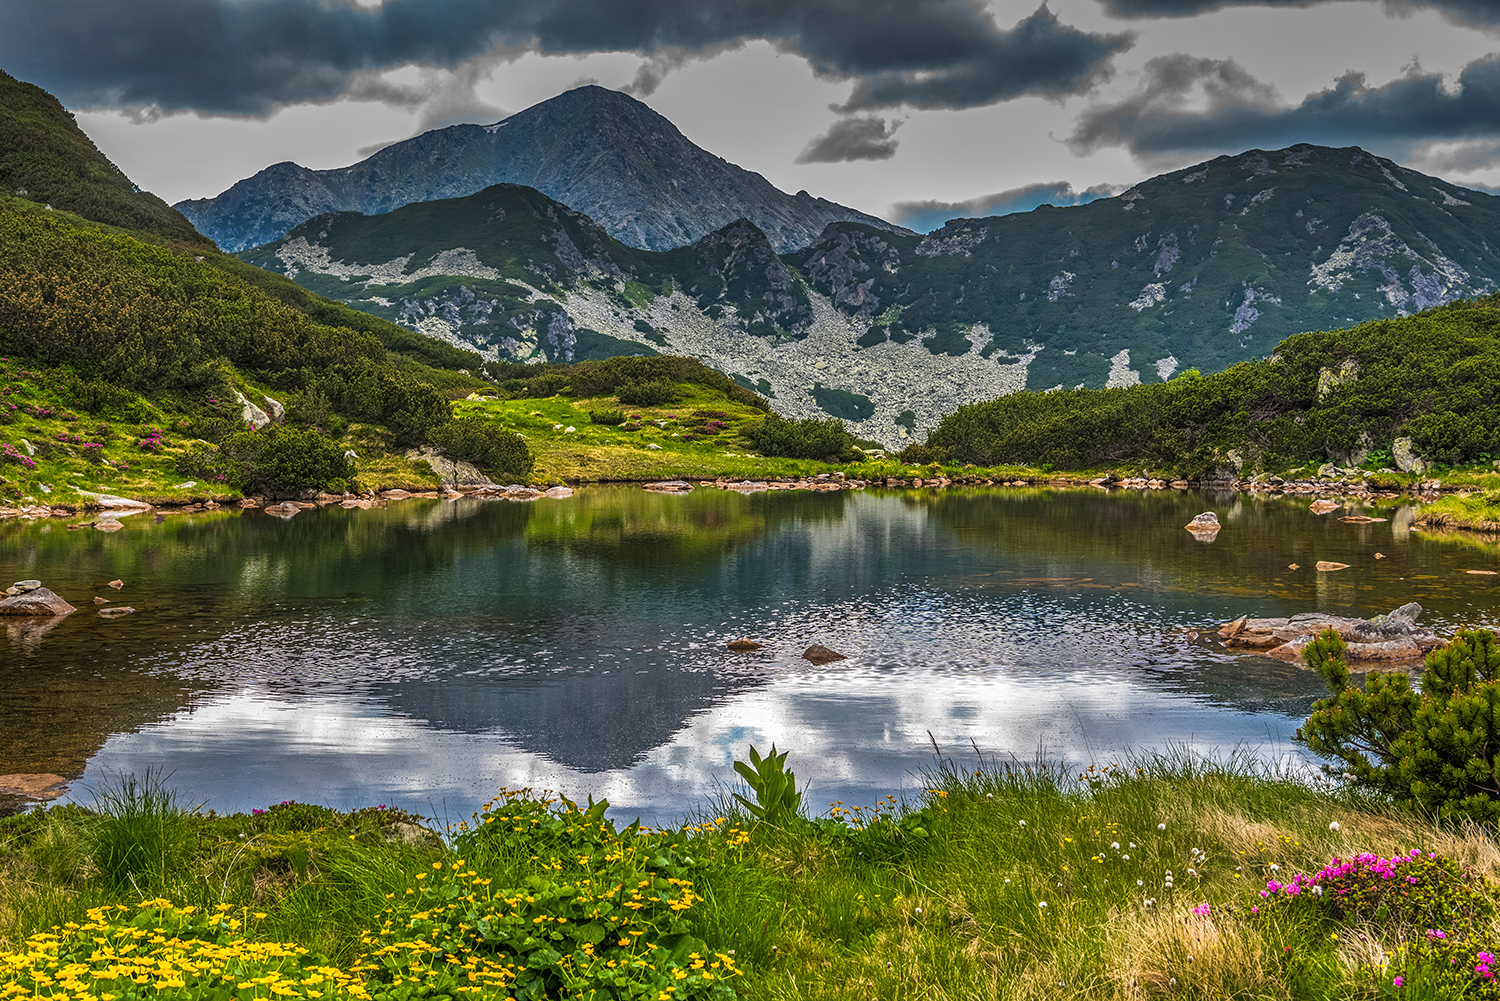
(435, 651)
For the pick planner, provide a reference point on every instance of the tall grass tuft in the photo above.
(141, 839)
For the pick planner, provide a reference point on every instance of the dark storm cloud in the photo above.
(1476, 12)
(863, 138)
(238, 57)
(1240, 115)
(926, 216)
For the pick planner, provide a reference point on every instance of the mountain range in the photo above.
(598, 151)
(1196, 269)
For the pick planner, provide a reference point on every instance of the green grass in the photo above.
(1476, 512)
(937, 897)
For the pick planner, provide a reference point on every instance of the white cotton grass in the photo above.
(1334, 827)
(1161, 827)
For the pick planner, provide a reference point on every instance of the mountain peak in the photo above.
(598, 151)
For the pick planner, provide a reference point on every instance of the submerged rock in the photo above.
(819, 654)
(670, 487)
(39, 785)
(744, 645)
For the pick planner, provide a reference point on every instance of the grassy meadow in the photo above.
(1172, 877)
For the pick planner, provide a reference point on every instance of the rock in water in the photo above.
(115, 611)
(745, 645)
(1330, 565)
(1323, 506)
(1205, 522)
(117, 584)
(39, 601)
(42, 785)
(819, 654)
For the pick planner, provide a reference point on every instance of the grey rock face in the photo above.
(1406, 460)
(598, 151)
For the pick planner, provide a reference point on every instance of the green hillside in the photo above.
(1343, 396)
(47, 158)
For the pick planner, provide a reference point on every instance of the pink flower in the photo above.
(1201, 910)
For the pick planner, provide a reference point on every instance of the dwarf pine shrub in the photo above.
(1437, 750)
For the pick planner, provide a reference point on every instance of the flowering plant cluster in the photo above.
(608, 921)
(1418, 889)
(151, 442)
(161, 951)
(9, 453)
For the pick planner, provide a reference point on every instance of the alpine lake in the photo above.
(429, 653)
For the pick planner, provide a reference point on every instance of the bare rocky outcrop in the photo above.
(1394, 637)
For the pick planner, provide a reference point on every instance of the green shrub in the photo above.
(1437, 750)
(921, 455)
(826, 440)
(491, 448)
(281, 458)
(654, 393)
(609, 418)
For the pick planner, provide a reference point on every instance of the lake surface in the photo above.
(430, 653)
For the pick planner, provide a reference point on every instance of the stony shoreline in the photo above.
(110, 509)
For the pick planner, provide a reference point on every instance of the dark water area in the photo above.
(430, 653)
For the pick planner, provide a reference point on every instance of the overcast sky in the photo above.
(912, 109)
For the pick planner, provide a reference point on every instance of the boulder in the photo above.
(38, 601)
(284, 511)
(117, 584)
(413, 834)
(1323, 506)
(819, 654)
(559, 492)
(1205, 522)
(395, 494)
(107, 525)
(250, 412)
(22, 586)
(1406, 460)
(744, 645)
(670, 487)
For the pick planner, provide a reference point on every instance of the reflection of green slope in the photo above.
(636, 526)
(260, 559)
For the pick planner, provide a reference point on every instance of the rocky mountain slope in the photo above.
(1197, 269)
(598, 151)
